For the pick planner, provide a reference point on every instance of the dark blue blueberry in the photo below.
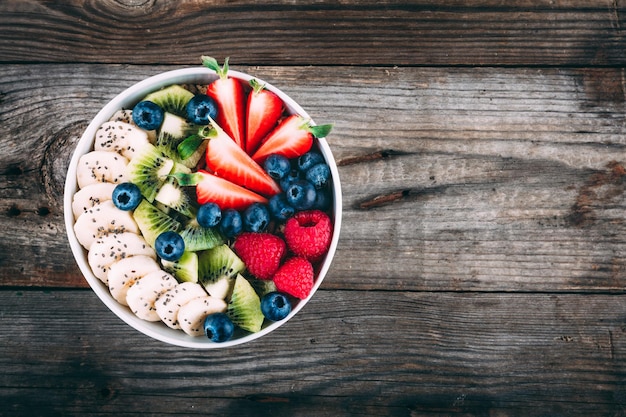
(218, 327)
(288, 179)
(126, 196)
(275, 306)
(231, 224)
(256, 218)
(279, 208)
(200, 108)
(323, 200)
(309, 159)
(148, 115)
(277, 166)
(301, 195)
(209, 215)
(318, 175)
(169, 246)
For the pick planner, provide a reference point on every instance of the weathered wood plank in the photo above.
(63, 353)
(495, 179)
(570, 33)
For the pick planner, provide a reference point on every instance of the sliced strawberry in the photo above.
(213, 189)
(263, 111)
(230, 98)
(292, 137)
(229, 161)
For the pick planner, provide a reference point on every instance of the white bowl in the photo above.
(127, 99)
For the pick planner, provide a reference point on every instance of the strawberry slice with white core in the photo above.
(229, 161)
(292, 138)
(230, 98)
(264, 109)
(213, 189)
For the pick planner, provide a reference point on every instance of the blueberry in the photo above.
(169, 246)
(301, 195)
(231, 224)
(275, 306)
(148, 115)
(126, 196)
(200, 108)
(309, 159)
(218, 327)
(277, 166)
(256, 218)
(209, 215)
(323, 200)
(279, 208)
(318, 175)
(288, 179)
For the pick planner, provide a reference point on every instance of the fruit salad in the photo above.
(206, 207)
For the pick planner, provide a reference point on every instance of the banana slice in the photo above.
(101, 166)
(125, 272)
(126, 116)
(113, 247)
(169, 303)
(121, 137)
(192, 314)
(144, 292)
(102, 219)
(92, 194)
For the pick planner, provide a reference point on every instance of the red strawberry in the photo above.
(261, 252)
(292, 137)
(229, 161)
(263, 111)
(210, 188)
(230, 98)
(295, 277)
(308, 234)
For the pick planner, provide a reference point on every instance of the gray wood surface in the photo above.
(481, 266)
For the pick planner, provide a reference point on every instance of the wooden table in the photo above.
(481, 269)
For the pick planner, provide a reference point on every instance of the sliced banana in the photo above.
(101, 166)
(102, 219)
(113, 247)
(123, 273)
(144, 292)
(192, 314)
(92, 194)
(121, 137)
(126, 116)
(169, 303)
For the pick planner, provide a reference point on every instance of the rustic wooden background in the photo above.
(481, 269)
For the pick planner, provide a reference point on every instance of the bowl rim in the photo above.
(129, 96)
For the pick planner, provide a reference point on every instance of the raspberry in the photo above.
(261, 252)
(295, 277)
(308, 234)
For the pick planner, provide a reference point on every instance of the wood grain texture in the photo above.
(453, 179)
(462, 354)
(490, 32)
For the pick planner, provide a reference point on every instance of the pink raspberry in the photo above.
(261, 252)
(295, 277)
(308, 234)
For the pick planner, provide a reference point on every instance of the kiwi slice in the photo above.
(185, 269)
(218, 268)
(148, 170)
(152, 221)
(172, 99)
(182, 140)
(198, 238)
(173, 196)
(244, 307)
(262, 286)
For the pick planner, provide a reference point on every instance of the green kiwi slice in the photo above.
(244, 307)
(185, 269)
(148, 170)
(262, 286)
(172, 99)
(173, 196)
(181, 140)
(218, 268)
(152, 221)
